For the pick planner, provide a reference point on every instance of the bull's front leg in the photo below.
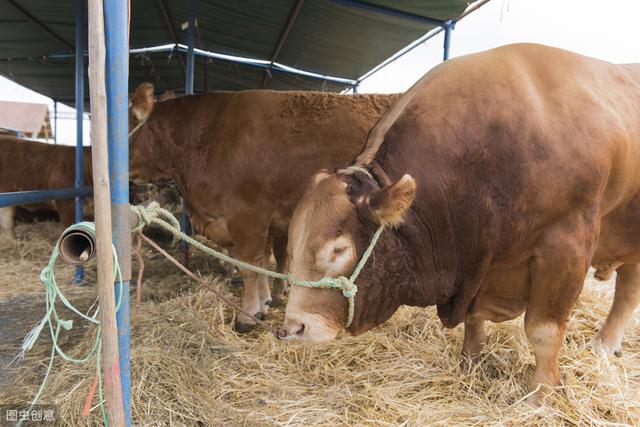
(7, 222)
(280, 287)
(249, 232)
(474, 337)
(558, 269)
(66, 211)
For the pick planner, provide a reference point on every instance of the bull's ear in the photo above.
(169, 94)
(142, 101)
(390, 204)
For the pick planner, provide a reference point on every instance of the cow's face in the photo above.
(143, 166)
(330, 229)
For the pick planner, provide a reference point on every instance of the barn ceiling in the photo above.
(330, 37)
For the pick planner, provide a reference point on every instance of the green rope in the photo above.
(154, 214)
(52, 293)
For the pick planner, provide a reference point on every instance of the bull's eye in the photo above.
(339, 250)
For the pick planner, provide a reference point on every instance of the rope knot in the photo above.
(143, 217)
(349, 289)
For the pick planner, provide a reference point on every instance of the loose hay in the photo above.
(190, 368)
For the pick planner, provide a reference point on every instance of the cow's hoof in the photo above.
(535, 400)
(599, 346)
(243, 327)
(276, 302)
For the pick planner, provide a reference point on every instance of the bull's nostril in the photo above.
(300, 331)
(283, 333)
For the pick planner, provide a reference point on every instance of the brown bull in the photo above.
(241, 161)
(500, 176)
(29, 165)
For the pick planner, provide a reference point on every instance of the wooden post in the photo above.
(102, 203)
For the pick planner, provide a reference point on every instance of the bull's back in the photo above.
(525, 134)
(277, 140)
(30, 165)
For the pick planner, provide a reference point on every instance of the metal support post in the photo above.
(448, 28)
(117, 71)
(79, 180)
(55, 122)
(188, 89)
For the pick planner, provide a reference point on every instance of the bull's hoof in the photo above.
(276, 302)
(604, 348)
(535, 400)
(243, 327)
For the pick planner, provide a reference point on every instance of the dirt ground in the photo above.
(190, 368)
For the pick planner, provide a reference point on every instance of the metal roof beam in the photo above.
(283, 37)
(166, 19)
(391, 12)
(259, 63)
(40, 24)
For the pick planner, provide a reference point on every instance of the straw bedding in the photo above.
(190, 368)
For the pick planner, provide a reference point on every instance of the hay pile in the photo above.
(190, 368)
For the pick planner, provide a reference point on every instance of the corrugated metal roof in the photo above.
(339, 38)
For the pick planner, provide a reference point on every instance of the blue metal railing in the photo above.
(37, 196)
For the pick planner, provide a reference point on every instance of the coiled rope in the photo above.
(56, 323)
(154, 214)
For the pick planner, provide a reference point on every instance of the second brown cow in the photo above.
(241, 161)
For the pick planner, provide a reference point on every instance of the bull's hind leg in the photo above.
(7, 222)
(625, 300)
(558, 270)
(280, 254)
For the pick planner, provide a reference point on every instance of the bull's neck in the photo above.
(393, 278)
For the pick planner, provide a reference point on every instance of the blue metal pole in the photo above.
(55, 122)
(448, 27)
(79, 181)
(188, 89)
(191, 40)
(116, 17)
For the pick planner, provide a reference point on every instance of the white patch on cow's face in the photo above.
(336, 257)
(319, 247)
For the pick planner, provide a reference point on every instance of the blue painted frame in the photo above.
(79, 70)
(185, 224)
(36, 196)
(116, 16)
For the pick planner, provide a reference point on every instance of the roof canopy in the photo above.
(342, 38)
(25, 117)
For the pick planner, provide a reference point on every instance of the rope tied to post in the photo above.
(154, 214)
(56, 323)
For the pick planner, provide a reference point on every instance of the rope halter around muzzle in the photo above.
(346, 285)
(154, 214)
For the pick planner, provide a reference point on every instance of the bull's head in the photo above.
(144, 159)
(330, 229)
